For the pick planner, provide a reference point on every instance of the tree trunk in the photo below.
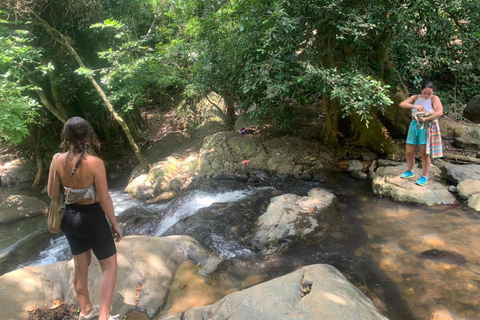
(133, 127)
(354, 132)
(106, 130)
(39, 162)
(375, 137)
(57, 110)
(229, 113)
(59, 37)
(396, 119)
(330, 132)
(460, 158)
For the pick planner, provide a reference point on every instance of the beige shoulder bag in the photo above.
(55, 213)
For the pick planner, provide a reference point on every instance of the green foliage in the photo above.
(128, 71)
(17, 111)
(356, 92)
(259, 54)
(442, 45)
(17, 108)
(84, 72)
(248, 52)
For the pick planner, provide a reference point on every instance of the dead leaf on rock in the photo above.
(137, 293)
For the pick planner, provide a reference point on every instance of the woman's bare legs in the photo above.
(410, 150)
(80, 280)
(426, 160)
(107, 287)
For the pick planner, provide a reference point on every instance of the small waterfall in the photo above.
(58, 249)
(195, 201)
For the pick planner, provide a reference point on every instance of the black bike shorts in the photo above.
(86, 227)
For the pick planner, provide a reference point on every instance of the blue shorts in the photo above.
(86, 227)
(416, 135)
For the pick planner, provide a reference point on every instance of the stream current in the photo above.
(381, 246)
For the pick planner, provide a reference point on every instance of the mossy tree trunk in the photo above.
(331, 110)
(374, 137)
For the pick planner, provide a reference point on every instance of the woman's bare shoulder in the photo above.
(61, 156)
(94, 160)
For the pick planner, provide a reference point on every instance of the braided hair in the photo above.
(77, 136)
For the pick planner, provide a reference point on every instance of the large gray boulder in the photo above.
(151, 262)
(452, 129)
(172, 174)
(474, 202)
(290, 217)
(23, 172)
(387, 183)
(18, 207)
(457, 173)
(470, 140)
(472, 110)
(312, 292)
(231, 155)
(470, 190)
(173, 163)
(227, 153)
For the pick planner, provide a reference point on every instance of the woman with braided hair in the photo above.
(87, 205)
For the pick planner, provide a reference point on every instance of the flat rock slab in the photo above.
(312, 292)
(387, 183)
(17, 207)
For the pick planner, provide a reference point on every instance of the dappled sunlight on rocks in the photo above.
(335, 298)
(189, 290)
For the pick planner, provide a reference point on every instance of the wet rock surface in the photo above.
(290, 217)
(387, 183)
(225, 227)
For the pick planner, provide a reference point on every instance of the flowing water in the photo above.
(413, 262)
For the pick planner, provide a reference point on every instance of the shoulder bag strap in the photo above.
(55, 169)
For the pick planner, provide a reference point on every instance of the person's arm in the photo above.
(53, 190)
(409, 103)
(437, 109)
(100, 181)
